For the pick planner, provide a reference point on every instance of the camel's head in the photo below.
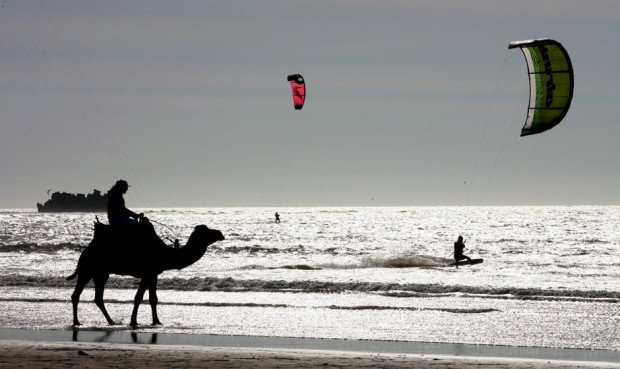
(202, 233)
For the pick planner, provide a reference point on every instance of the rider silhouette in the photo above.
(118, 214)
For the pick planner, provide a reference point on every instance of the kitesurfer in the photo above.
(118, 214)
(459, 246)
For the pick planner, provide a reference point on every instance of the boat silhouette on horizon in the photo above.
(69, 202)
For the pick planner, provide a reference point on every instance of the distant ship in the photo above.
(66, 202)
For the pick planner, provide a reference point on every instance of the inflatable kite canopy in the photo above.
(298, 88)
(551, 83)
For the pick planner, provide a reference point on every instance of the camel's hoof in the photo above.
(76, 324)
(156, 322)
(133, 325)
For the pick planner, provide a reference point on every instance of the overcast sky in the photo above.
(408, 102)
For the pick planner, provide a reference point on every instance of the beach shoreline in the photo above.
(40, 354)
(102, 347)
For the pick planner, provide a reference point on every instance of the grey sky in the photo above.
(409, 102)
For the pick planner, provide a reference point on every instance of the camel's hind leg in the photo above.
(100, 282)
(75, 296)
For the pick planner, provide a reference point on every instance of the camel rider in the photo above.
(118, 214)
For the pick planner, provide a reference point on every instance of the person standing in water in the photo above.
(277, 217)
(459, 246)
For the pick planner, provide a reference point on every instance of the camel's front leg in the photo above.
(153, 300)
(144, 283)
(75, 296)
(100, 282)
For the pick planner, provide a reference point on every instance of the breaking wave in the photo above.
(255, 305)
(47, 248)
(256, 249)
(408, 290)
(411, 308)
(42, 248)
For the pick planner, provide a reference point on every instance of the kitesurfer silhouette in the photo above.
(459, 246)
(118, 214)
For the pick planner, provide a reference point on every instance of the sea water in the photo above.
(550, 277)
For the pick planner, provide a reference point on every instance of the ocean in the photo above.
(550, 276)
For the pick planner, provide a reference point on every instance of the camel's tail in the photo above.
(72, 275)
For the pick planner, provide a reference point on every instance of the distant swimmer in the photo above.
(277, 217)
(459, 246)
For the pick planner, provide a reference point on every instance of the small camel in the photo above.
(144, 256)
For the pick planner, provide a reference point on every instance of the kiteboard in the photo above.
(467, 262)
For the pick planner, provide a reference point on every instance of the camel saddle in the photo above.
(141, 233)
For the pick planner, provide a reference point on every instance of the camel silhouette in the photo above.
(140, 254)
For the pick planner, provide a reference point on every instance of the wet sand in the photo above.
(49, 354)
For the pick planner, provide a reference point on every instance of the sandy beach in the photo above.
(42, 354)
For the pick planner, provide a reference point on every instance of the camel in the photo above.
(142, 255)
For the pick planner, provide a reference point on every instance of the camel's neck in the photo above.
(185, 256)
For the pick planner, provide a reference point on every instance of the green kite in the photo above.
(551, 83)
